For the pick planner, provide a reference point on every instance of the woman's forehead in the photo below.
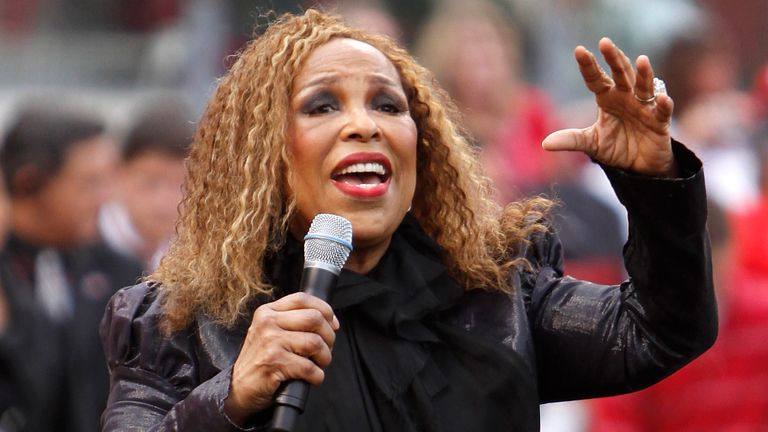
(344, 56)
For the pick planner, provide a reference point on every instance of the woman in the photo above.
(451, 314)
(507, 117)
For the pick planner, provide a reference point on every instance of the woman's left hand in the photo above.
(632, 127)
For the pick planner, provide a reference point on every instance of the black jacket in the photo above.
(422, 345)
(52, 374)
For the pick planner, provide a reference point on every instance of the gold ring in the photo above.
(645, 101)
(658, 88)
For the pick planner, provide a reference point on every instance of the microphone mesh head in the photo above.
(329, 241)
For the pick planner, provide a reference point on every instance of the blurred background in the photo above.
(509, 65)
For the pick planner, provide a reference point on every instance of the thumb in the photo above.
(567, 140)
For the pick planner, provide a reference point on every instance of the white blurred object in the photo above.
(564, 417)
(731, 175)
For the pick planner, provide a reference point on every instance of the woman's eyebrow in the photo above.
(323, 80)
(331, 79)
(383, 80)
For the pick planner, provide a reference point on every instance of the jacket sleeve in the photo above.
(154, 379)
(594, 340)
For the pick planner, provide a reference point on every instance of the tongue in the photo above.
(358, 179)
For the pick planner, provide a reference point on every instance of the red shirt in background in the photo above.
(724, 390)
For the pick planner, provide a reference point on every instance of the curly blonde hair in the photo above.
(236, 209)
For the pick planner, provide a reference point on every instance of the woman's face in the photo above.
(479, 44)
(352, 144)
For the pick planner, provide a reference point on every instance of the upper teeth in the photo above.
(370, 167)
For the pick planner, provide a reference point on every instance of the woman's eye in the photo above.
(321, 109)
(320, 104)
(389, 108)
(388, 104)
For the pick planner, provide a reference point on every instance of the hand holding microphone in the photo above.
(290, 340)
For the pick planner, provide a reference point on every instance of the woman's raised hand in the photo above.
(289, 339)
(632, 131)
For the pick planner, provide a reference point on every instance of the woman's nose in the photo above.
(360, 126)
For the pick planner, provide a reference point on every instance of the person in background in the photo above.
(8, 395)
(371, 16)
(553, 26)
(507, 117)
(5, 211)
(139, 221)
(714, 116)
(751, 223)
(31, 353)
(510, 118)
(57, 165)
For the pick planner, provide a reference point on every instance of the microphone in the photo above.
(326, 248)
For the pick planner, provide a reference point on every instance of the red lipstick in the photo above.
(363, 175)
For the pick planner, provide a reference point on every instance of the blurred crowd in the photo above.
(98, 101)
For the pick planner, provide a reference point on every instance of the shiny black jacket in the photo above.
(575, 339)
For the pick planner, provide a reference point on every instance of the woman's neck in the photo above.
(365, 257)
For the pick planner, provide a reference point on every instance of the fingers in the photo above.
(282, 351)
(664, 107)
(633, 124)
(621, 67)
(596, 80)
(290, 338)
(644, 89)
(309, 331)
(644, 83)
(301, 324)
(304, 369)
(568, 140)
(285, 366)
(289, 344)
(305, 301)
(624, 77)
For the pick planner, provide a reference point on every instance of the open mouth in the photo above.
(362, 175)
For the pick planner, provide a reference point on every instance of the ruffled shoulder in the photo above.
(131, 336)
(544, 253)
(544, 250)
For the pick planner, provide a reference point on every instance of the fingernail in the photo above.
(336, 324)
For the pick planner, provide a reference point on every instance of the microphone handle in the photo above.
(291, 396)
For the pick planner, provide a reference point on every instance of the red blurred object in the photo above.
(751, 237)
(760, 92)
(724, 390)
(17, 16)
(148, 15)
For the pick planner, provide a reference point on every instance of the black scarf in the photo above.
(399, 365)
